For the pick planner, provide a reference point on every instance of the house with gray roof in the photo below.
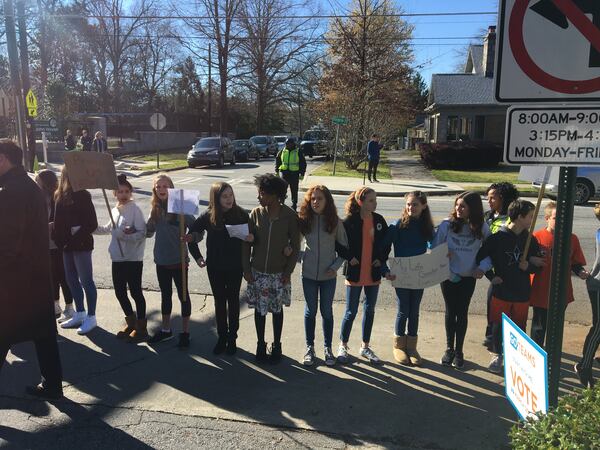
(461, 106)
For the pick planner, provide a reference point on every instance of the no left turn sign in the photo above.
(549, 51)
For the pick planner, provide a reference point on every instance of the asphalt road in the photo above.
(241, 177)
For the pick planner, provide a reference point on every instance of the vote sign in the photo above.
(548, 51)
(525, 371)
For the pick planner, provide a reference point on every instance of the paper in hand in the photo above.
(189, 204)
(238, 231)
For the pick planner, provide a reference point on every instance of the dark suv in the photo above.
(211, 150)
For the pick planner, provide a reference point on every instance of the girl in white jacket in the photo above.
(126, 250)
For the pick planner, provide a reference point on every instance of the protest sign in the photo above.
(91, 170)
(422, 271)
(183, 201)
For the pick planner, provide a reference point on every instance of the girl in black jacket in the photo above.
(366, 232)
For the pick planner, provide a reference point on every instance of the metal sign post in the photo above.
(158, 122)
(45, 147)
(337, 134)
(561, 267)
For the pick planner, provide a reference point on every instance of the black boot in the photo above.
(41, 391)
(220, 346)
(261, 351)
(275, 353)
(231, 347)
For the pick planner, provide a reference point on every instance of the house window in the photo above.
(479, 127)
(466, 124)
(452, 128)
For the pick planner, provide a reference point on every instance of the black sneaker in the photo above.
(220, 346)
(275, 353)
(459, 361)
(231, 347)
(261, 352)
(448, 357)
(585, 376)
(184, 340)
(40, 391)
(160, 336)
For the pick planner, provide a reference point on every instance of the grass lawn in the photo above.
(326, 170)
(484, 176)
(167, 160)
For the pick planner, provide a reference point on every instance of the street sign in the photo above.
(338, 120)
(31, 101)
(548, 51)
(525, 371)
(47, 126)
(158, 121)
(553, 136)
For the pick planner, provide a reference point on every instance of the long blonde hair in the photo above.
(158, 209)
(65, 190)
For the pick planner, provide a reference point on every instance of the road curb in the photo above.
(150, 172)
(392, 194)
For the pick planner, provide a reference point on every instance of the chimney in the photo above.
(489, 52)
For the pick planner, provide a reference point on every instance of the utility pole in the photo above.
(209, 90)
(13, 60)
(300, 115)
(25, 80)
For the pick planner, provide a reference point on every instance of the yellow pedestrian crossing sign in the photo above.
(31, 101)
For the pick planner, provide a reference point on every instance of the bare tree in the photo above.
(275, 49)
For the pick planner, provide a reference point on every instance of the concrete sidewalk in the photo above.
(133, 395)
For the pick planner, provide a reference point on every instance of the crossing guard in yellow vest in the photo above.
(292, 165)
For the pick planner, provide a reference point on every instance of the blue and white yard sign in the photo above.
(525, 371)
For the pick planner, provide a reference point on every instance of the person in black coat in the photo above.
(26, 298)
(86, 141)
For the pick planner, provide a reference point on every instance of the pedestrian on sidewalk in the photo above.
(464, 232)
(366, 232)
(126, 249)
(373, 155)
(70, 141)
(223, 261)
(167, 257)
(48, 183)
(291, 163)
(25, 278)
(592, 340)
(325, 242)
(74, 223)
(510, 275)
(540, 281)
(499, 197)
(99, 144)
(267, 265)
(86, 141)
(410, 235)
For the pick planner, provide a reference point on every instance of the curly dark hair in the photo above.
(272, 185)
(507, 192)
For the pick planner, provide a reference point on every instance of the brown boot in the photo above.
(130, 320)
(411, 349)
(140, 334)
(400, 354)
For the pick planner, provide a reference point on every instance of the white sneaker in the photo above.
(369, 354)
(57, 310)
(495, 364)
(309, 356)
(75, 321)
(67, 313)
(342, 355)
(88, 325)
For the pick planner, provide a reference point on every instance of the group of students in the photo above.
(490, 244)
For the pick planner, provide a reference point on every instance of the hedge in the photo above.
(574, 424)
(461, 155)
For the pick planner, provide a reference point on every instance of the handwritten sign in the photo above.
(91, 170)
(420, 272)
(183, 204)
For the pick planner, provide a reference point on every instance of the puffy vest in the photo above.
(290, 160)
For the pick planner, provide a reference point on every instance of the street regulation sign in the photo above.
(549, 136)
(548, 51)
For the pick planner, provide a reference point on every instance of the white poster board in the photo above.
(186, 204)
(525, 371)
(423, 271)
(539, 174)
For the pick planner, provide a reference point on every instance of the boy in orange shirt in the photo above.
(540, 285)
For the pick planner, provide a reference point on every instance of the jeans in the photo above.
(80, 278)
(352, 300)
(225, 285)
(409, 301)
(372, 170)
(311, 295)
(129, 273)
(457, 297)
(166, 277)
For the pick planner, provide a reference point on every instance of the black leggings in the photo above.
(592, 340)
(57, 268)
(457, 297)
(166, 276)
(260, 321)
(225, 285)
(129, 273)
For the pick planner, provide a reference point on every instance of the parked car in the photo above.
(211, 150)
(587, 185)
(280, 142)
(242, 149)
(265, 144)
(315, 142)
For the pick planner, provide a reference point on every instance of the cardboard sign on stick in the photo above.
(91, 170)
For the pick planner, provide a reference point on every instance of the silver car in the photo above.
(587, 185)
